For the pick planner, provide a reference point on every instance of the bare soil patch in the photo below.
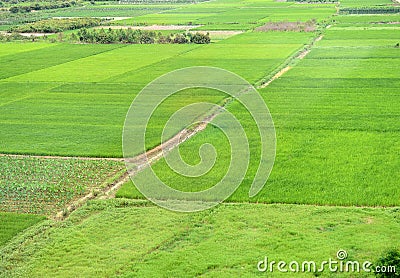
(298, 26)
(27, 34)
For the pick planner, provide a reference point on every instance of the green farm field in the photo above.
(69, 209)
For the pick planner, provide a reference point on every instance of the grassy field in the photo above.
(334, 184)
(138, 239)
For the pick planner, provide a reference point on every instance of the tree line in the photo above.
(37, 6)
(55, 25)
(130, 36)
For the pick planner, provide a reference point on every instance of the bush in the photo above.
(390, 258)
(200, 38)
(180, 39)
(14, 10)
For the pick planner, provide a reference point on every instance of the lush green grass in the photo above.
(337, 124)
(12, 223)
(44, 186)
(124, 238)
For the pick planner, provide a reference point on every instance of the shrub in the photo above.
(390, 258)
(200, 38)
(180, 39)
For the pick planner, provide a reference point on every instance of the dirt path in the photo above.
(106, 193)
(300, 55)
(142, 161)
(276, 76)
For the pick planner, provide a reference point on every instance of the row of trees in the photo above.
(37, 6)
(136, 37)
(55, 25)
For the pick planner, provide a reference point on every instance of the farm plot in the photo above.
(13, 48)
(338, 124)
(337, 129)
(16, 63)
(138, 239)
(45, 186)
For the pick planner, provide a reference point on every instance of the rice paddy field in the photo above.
(67, 208)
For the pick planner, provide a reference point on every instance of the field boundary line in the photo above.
(144, 160)
(235, 203)
(45, 90)
(118, 179)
